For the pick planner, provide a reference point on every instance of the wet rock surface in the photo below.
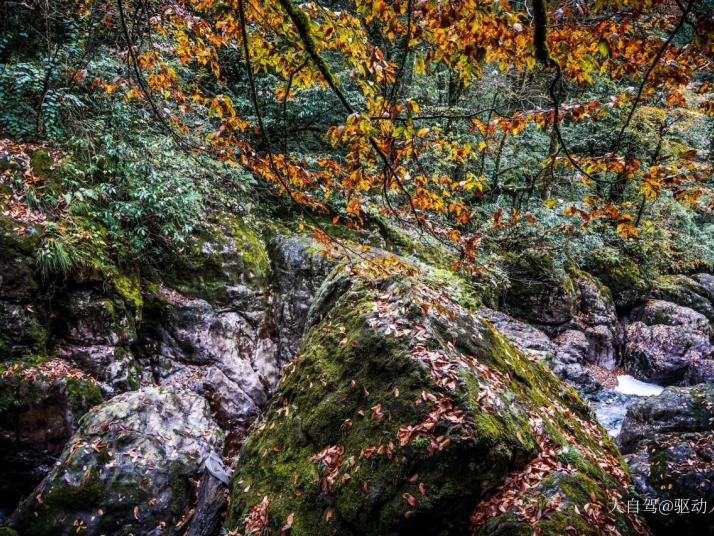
(663, 354)
(677, 409)
(668, 441)
(230, 344)
(668, 343)
(94, 328)
(206, 323)
(213, 353)
(128, 468)
(219, 326)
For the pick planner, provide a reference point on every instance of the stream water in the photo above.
(610, 405)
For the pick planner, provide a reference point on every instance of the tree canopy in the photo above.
(467, 121)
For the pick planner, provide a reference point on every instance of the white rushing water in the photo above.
(627, 385)
(612, 406)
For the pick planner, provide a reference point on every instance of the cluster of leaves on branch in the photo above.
(80, 164)
(440, 114)
(389, 137)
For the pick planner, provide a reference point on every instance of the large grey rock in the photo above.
(669, 441)
(227, 336)
(707, 282)
(92, 316)
(603, 344)
(94, 328)
(668, 343)
(113, 366)
(684, 291)
(129, 468)
(572, 347)
(675, 410)
(524, 336)
(207, 324)
(597, 319)
(597, 306)
(700, 371)
(566, 355)
(655, 312)
(217, 353)
(662, 354)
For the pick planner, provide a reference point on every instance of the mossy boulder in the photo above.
(227, 256)
(596, 302)
(128, 468)
(669, 441)
(42, 162)
(627, 281)
(404, 413)
(89, 315)
(539, 291)
(675, 410)
(684, 291)
(94, 327)
(127, 285)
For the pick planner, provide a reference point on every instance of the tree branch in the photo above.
(654, 63)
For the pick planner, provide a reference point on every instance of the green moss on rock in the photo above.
(684, 291)
(41, 162)
(84, 394)
(539, 291)
(369, 434)
(22, 315)
(228, 253)
(128, 286)
(625, 278)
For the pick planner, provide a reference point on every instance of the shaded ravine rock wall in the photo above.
(659, 331)
(220, 321)
(663, 334)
